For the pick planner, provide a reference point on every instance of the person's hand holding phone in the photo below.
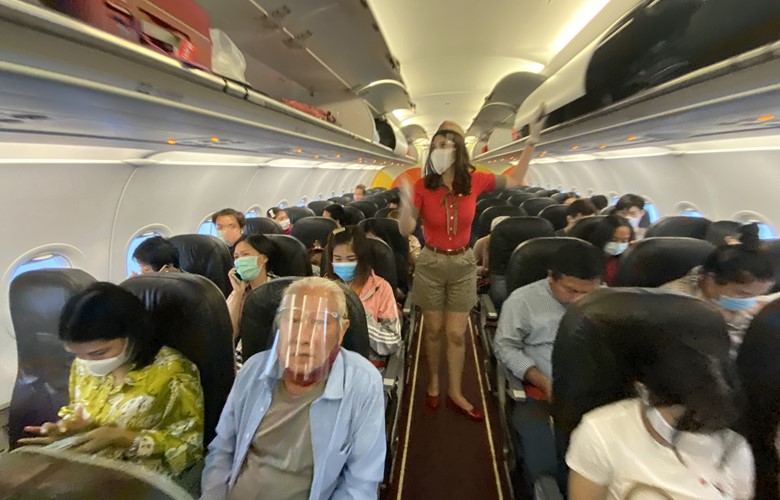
(51, 432)
(238, 284)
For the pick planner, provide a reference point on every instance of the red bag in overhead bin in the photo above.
(311, 110)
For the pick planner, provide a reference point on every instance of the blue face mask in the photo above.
(345, 270)
(247, 268)
(614, 248)
(737, 304)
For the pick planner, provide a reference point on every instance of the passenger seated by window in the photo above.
(733, 277)
(280, 215)
(482, 249)
(671, 442)
(614, 235)
(156, 254)
(524, 343)
(578, 209)
(130, 397)
(335, 212)
(360, 192)
(230, 226)
(306, 418)
(632, 207)
(350, 262)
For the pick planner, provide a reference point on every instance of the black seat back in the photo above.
(531, 260)
(483, 205)
(556, 214)
(190, 314)
(318, 206)
(503, 241)
(312, 229)
(536, 205)
(292, 257)
(341, 200)
(560, 197)
(257, 320)
(584, 227)
(679, 225)
(41, 388)
(205, 256)
(517, 199)
(486, 218)
(389, 232)
(719, 230)
(262, 225)
(652, 262)
(487, 196)
(368, 208)
(599, 350)
(297, 213)
(773, 249)
(379, 201)
(352, 215)
(383, 212)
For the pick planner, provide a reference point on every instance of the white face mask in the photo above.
(285, 224)
(614, 248)
(634, 221)
(442, 159)
(102, 367)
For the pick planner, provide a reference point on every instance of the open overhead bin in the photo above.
(502, 103)
(64, 78)
(385, 96)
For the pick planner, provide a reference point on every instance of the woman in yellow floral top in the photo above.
(130, 397)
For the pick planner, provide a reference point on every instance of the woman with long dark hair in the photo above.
(446, 272)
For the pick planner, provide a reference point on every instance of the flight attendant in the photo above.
(445, 276)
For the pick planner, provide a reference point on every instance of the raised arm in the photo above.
(536, 125)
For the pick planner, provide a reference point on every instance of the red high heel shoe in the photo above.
(474, 414)
(432, 401)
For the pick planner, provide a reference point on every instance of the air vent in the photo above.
(281, 12)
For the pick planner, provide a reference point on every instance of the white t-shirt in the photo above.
(612, 447)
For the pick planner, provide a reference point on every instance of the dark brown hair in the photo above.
(229, 212)
(357, 240)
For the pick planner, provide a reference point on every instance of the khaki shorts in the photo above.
(445, 282)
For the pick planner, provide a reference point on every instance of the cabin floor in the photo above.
(443, 454)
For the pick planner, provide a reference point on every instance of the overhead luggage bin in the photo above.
(62, 77)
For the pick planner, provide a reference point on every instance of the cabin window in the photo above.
(283, 204)
(254, 212)
(692, 212)
(613, 197)
(132, 265)
(207, 227)
(319, 197)
(766, 232)
(43, 261)
(303, 201)
(651, 209)
(765, 229)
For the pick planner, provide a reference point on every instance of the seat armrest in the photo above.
(394, 370)
(408, 304)
(514, 386)
(487, 305)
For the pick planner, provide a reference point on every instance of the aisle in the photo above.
(446, 455)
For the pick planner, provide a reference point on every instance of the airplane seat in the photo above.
(379, 201)
(599, 353)
(318, 206)
(292, 256)
(584, 227)
(548, 193)
(535, 189)
(368, 208)
(312, 229)
(486, 217)
(607, 210)
(257, 320)
(341, 200)
(679, 225)
(518, 198)
(190, 315)
(652, 262)
(760, 376)
(719, 230)
(383, 213)
(297, 213)
(773, 249)
(506, 194)
(352, 215)
(41, 388)
(206, 256)
(487, 196)
(536, 205)
(560, 197)
(262, 225)
(530, 261)
(556, 214)
(480, 208)
(399, 245)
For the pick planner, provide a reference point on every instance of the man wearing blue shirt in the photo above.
(304, 420)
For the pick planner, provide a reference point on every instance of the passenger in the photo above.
(349, 260)
(315, 257)
(482, 248)
(253, 256)
(394, 201)
(280, 215)
(632, 207)
(614, 235)
(305, 419)
(360, 192)
(156, 254)
(130, 397)
(524, 343)
(733, 277)
(446, 272)
(599, 201)
(571, 198)
(578, 209)
(336, 212)
(230, 226)
(671, 442)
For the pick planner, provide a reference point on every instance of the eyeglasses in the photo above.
(294, 316)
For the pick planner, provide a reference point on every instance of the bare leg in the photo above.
(433, 328)
(455, 326)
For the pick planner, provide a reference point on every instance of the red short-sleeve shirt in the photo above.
(447, 218)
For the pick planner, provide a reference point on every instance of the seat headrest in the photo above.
(41, 388)
(487, 196)
(262, 225)
(389, 232)
(759, 351)
(368, 208)
(257, 320)
(530, 261)
(718, 230)
(205, 256)
(191, 316)
(379, 201)
(600, 348)
(487, 203)
(294, 257)
(584, 227)
(681, 226)
(560, 197)
(312, 229)
(297, 213)
(773, 249)
(556, 214)
(510, 233)
(518, 198)
(535, 205)
(352, 215)
(383, 212)
(486, 218)
(318, 206)
(652, 262)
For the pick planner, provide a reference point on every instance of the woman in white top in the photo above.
(672, 442)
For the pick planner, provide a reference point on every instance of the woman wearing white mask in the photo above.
(734, 277)
(614, 235)
(446, 271)
(131, 398)
(252, 255)
(280, 215)
(673, 441)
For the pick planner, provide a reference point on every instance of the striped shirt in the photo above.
(527, 329)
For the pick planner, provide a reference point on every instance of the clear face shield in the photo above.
(309, 335)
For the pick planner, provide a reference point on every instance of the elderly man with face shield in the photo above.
(306, 418)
